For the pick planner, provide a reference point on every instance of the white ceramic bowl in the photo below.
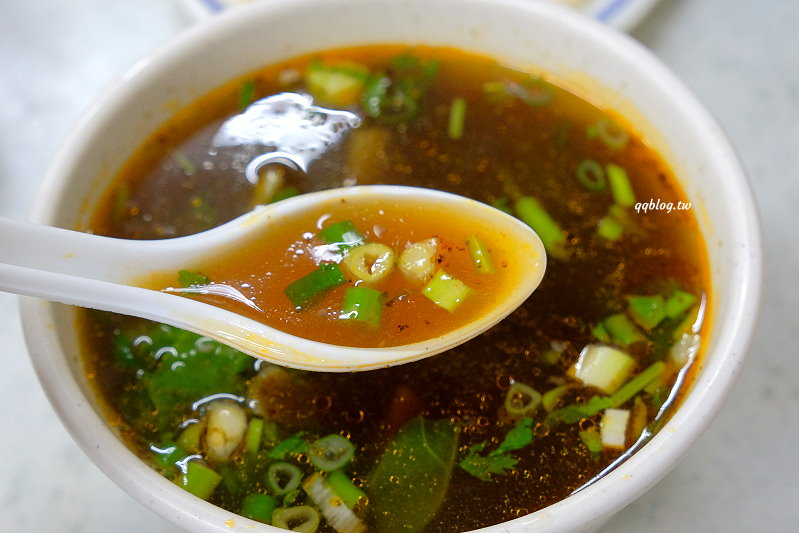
(594, 60)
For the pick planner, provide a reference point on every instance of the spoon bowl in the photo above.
(105, 273)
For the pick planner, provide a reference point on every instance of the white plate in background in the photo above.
(621, 14)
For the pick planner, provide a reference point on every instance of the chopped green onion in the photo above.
(331, 452)
(417, 261)
(637, 384)
(481, 258)
(591, 175)
(446, 291)
(600, 333)
(198, 479)
(187, 278)
(613, 427)
(301, 518)
(286, 192)
(184, 162)
(371, 262)
(302, 291)
(363, 304)
(550, 357)
(282, 477)
(189, 438)
(610, 134)
(647, 311)
(258, 507)
(609, 228)
(532, 213)
(622, 330)
(292, 445)
(534, 92)
(678, 303)
(503, 204)
(521, 400)
(603, 367)
(336, 514)
(167, 455)
(549, 400)
(457, 118)
(343, 233)
(592, 441)
(345, 489)
(255, 431)
(338, 85)
(620, 186)
(246, 94)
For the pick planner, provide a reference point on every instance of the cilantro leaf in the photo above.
(498, 461)
(187, 278)
(481, 466)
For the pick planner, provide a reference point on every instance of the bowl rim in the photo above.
(596, 503)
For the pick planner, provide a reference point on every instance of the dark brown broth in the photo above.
(507, 148)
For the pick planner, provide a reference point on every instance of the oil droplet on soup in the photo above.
(540, 405)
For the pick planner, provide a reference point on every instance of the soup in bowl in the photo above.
(555, 418)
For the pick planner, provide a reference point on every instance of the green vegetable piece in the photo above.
(246, 94)
(187, 278)
(609, 133)
(363, 304)
(311, 286)
(521, 399)
(258, 507)
(295, 444)
(609, 228)
(532, 213)
(189, 438)
(165, 456)
(572, 414)
(518, 437)
(283, 477)
(331, 452)
(503, 204)
(647, 311)
(482, 466)
(255, 431)
(446, 291)
(191, 367)
(622, 330)
(410, 480)
(678, 303)
(338, 85)
(286, 192)
(302, 518)
(198, 479)
(600, 333)
(345, 489)
(481, 257)
(457, 119)
(637, 384)
(497, 462)
(344, 234)
(620, 186)
(593, 441)
(591, 175)
(550, 398)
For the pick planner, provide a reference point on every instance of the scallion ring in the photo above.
(331, 452)
(282, 477)
(591, 175)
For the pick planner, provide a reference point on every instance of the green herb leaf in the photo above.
(411, 479)
(187, 278)
(481, 466)
(520, 436)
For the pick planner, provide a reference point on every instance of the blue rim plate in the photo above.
(620, 14)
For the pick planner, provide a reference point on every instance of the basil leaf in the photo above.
(411, 479)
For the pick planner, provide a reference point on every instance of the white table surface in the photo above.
(741, 57)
